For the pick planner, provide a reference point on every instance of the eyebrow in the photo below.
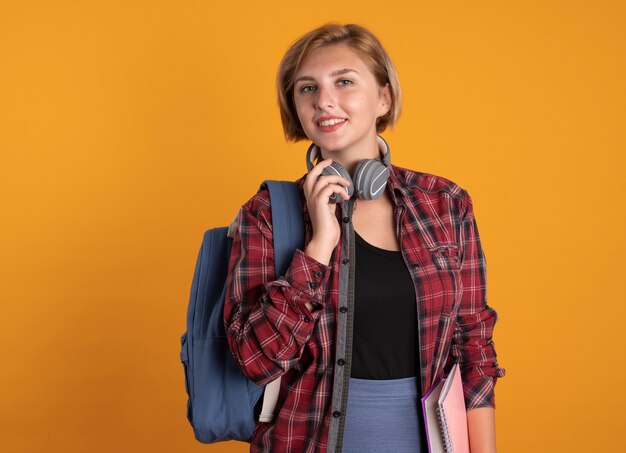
(332, 74)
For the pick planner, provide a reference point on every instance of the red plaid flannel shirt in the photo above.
(271, 333)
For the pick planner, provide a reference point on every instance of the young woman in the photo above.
(390, 288)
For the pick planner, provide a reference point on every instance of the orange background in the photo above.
(127, 128)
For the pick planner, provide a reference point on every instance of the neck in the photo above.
(350, 157)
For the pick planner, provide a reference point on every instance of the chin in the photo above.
(330, 143)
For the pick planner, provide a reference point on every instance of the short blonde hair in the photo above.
(360, 40)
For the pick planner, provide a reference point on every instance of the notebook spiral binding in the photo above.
(445, 433)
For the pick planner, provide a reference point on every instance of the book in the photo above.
(431, 419)
(445, 417)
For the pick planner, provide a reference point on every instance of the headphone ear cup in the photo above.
(370, 179)
(335, 169)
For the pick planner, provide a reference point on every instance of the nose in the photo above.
(325, 98)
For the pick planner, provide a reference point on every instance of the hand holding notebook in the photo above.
(445, 416)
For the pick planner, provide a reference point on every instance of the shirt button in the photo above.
(415, 265)
(341, 362)
(313, 285)
(345, 261)
(336, 414)
(318, 274)
(343, 309)
(307, 319)
(346, 219)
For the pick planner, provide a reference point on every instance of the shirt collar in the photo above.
(401, 187)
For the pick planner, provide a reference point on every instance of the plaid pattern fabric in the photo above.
(271, 333)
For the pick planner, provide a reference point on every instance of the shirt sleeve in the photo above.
(472, 343)
(266, 321)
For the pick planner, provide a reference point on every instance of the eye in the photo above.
(306, 88)
(345, 82)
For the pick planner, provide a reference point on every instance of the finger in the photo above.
(331, 189)
(332, 179)
(326, 181)
(316, 177)
(315, 173)
(340, 186)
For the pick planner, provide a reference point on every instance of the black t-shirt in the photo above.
(385, 344)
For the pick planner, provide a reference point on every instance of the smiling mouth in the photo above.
(330, 122)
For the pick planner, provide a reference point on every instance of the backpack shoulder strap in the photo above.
(287, 221)
(288, 229)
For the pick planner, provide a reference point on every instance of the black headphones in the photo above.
(370, 175)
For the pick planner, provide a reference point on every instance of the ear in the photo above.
(384, 100)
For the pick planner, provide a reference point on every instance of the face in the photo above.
(338, 99)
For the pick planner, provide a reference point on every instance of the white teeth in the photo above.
(330, 122)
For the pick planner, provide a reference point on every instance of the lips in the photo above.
(330, 124)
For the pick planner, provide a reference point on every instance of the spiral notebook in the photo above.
(444, 415)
